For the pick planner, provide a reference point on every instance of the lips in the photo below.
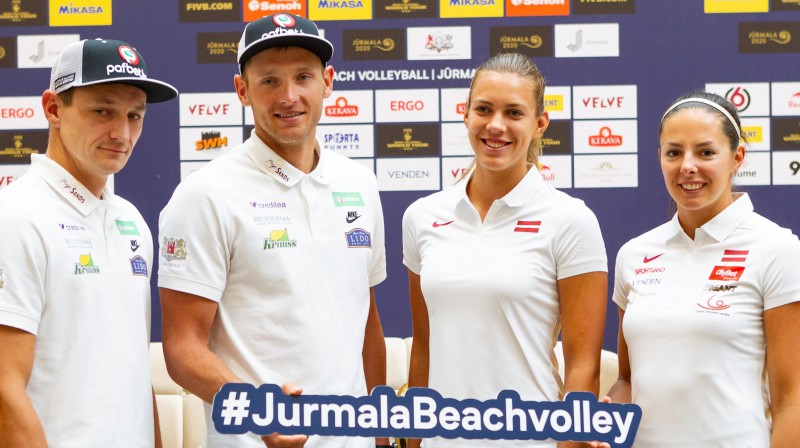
(692, 186)
(494, 144)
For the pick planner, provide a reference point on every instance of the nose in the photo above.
(688, 164)
(496, 123)
(121, 129)
(289, 93)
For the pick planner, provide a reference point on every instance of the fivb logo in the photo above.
(131, 58)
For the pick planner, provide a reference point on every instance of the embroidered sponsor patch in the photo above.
(85, 265)
(139, 266)
(173, 248)
(127, 227)
(726, 273)
(358, 238)
(347, 199)
(278, 239)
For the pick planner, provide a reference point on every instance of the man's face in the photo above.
(285, 88)
(98, 129)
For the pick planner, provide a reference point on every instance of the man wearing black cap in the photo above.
(272, 281)
(76, 260)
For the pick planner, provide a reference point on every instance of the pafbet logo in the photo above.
(284, 21)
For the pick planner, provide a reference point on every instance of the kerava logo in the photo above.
(239, 408)
(128, 55)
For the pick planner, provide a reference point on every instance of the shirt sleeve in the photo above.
(579, 247)
(621, 286)
(193, 255)
(23, 267)
(377, 271)
(411, 257)
(781, 282)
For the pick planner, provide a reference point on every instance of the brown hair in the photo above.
(523, 67)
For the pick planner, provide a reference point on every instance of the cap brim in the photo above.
(156, 91)
(314, 44)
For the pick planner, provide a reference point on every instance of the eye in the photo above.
(672, 153)
(481, 109)
(101, 112)
(135, 117)
(516, 113)
(707, 152)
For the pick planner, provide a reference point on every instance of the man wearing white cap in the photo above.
(267, 277)
(76, 260)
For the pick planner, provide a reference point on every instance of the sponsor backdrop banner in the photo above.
(403, 69)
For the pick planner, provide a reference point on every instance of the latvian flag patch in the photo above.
(528, 226)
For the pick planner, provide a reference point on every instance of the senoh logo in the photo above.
(605, 138)
(726, 273)
(341, 109)
(128, 55)
(739, 97)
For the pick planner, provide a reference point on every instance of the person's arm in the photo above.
(418, 370)
(186, 326)
(583, 315)
(620, 392)
(19, 424)
(374, 353)
(782, 334)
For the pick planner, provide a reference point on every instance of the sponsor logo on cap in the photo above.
(284, 20)
(128, 55)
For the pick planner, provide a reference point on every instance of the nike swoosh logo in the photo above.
(350, 219)
(440, 224)
(648, 260)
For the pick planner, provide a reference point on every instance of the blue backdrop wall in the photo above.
(596, 54)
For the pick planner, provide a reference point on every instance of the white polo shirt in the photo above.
(491, 288)
(290, 258)
(694, 325)
(75, 273)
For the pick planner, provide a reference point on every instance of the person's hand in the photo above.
(276, 440)
(595, 444)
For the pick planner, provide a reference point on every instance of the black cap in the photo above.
(100, 61)
(282, 30)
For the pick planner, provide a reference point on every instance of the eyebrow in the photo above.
(516, 105)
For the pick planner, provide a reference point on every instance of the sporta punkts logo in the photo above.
(283, 20)
(128, 55)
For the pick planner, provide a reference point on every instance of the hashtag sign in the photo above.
(236, 407)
